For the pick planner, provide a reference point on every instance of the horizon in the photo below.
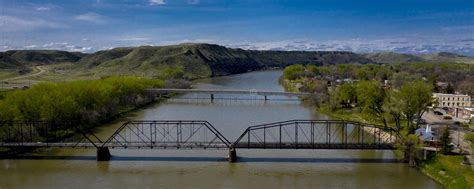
(92, 52)
(420, 27)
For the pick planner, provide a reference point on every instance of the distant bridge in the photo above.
(191, 134)
(252, 92)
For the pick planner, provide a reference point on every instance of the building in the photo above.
(462, 112)
(452, 100)
(425, 134)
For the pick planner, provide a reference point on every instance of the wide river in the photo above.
(154, 168)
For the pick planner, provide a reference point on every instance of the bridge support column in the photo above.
(103, 154)
(266, 98)
(212, 97)
(232, 155)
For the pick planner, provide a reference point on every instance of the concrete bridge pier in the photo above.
(266, 98)
(103, 154)
(232, 155)
(212, 97)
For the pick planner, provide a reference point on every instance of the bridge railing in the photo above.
(317, 134)
(45, 134)
(167, 134)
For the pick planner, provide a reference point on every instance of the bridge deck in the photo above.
(204, 145)
(228, 91)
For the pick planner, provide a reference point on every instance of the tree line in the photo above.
(459, 77)
(87, 102)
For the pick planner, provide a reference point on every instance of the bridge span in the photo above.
(196, 134)
(212, 92)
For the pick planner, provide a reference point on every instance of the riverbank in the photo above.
(449, 171)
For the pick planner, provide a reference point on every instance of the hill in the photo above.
(441, 57)
(7, 62)
(194, 60)
(41, 57)
(204, 60)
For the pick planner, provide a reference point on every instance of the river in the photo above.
(153, 168)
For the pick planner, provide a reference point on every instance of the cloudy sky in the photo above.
(410, 26)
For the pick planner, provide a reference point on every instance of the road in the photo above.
(41, 71)
(456, 133)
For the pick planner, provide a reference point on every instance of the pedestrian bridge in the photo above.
(196, 134)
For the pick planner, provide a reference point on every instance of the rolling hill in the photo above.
(392, 57)
(35, 57)
(204, 60)
(198, 60)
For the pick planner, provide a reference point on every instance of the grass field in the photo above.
(448, 171)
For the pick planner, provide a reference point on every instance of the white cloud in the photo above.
(56, 46)
(402, 45)
(90, 17)
(42, 8)
(12, 23)
(157, 2)
(133, 39)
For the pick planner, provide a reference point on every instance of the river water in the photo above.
(153, 168)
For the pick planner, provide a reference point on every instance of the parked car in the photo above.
(445, 108)
(447, 117)
(438, 113)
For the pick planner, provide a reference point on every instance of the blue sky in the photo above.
(409, 26)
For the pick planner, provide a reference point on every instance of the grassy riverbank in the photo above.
(449, 172)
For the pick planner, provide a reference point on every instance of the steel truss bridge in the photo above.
(192, 134)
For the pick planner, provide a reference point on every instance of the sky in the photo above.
(406, 26)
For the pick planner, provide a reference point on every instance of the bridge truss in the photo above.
(167, 134)
(317, 134)
(191, 134)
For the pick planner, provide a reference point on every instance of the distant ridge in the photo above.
(204, 60)
(200, 60)
(392, 57)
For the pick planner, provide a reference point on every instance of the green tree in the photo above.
(371, 95)
(410, 145)
(347, 94)
(176, 72)
(450, 89)
(334, 99)
(393, 106)
(445, 141)
(293, 72)
(415, 97)
(312, 69)
(361, 74)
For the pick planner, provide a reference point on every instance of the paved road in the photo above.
(456, 133)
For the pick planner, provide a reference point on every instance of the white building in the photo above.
(452, 100)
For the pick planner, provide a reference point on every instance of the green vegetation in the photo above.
(469, 137)
(38, 57)
(293, 72)
(445, 142)
(395, 94)
(449, 171)
(89, 101)
(371, 97)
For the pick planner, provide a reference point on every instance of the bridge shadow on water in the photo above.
(211, 159)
